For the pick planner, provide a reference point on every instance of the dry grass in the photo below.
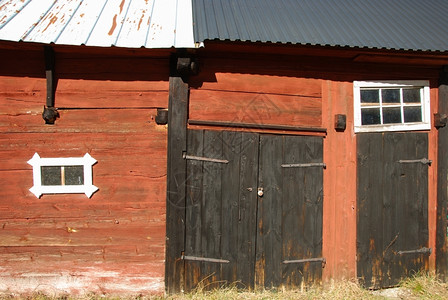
(419, 287)
(340, 290)
(424, 286)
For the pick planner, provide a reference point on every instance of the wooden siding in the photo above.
(235, 94)
(113, 242)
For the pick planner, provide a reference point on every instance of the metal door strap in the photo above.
(206, 259)
(424, 161)
(304, 165)
(191, 157)
(423, 250)
(299, 261)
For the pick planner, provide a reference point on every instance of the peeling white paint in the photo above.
(105, 23)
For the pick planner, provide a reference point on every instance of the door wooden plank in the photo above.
(211, 223)
(369, 217)
(442, 180)
(414, 185)
(269, 250)
(230, 204)
(247, 219)
(302, 210)
(394, 210)
(193, 226)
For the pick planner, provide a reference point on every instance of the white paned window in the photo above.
(69, 175)
(391, 105)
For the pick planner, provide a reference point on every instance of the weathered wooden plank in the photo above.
(250, 82)
(294, 212)
(74, 94)
(58, 273)
(211, 226)
(247, 221)
(83, 120)
(393, 208)
(79, 235)
(442, 180)
(230, 207)
(193, 221)
(268, 272)
(75, 255)
(62, 208)
(17, 148)
(369, 216)
(176, 170)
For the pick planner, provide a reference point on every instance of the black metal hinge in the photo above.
(423, 250)
(200, 158)
(205, 259)
(305, 260)
(424, 161)
(304, 165)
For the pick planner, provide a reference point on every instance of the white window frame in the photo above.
(425, 124)
(86, 161)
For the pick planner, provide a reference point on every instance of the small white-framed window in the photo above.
(391, 105)
(62, 175)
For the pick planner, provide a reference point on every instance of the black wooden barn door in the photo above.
(392, 225)
(289, 231)
(254, 209)
(221, 208)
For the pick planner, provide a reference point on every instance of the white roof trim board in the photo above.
(103, 23)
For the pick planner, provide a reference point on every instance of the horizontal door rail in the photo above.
(306, 165)
(423, 250)
(424, 161)
(200, 158)
(256, 126)
(205, 259)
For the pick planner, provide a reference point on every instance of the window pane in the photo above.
(370, 96)
(74, 175)
(411, 95)
(391, 115)
(50, 175)
(370, 116)
(412, 114)
(390, 95)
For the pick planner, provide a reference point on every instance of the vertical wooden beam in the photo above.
(442, 179)
(50, 113)
(176, 177)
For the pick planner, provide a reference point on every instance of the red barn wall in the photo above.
(305, 90)
(113, 242)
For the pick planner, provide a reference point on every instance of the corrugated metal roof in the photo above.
(122, 23)
(382, 24)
